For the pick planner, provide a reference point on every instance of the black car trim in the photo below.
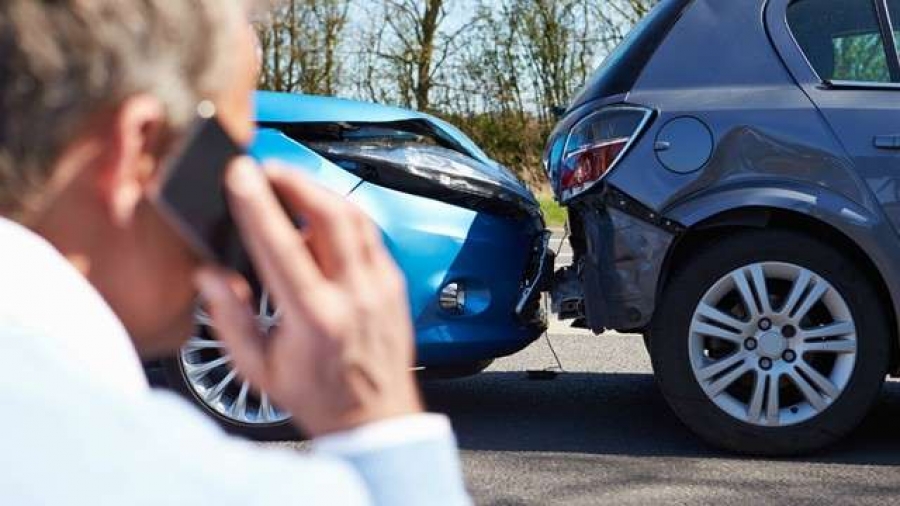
(890, 42)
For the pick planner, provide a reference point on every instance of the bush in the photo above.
(514, 140)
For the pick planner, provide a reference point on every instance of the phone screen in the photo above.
(193, 195)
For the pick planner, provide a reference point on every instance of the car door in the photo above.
(852, 47)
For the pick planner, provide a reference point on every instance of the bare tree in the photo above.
(417, 47)
(300, 42)
(560, 42)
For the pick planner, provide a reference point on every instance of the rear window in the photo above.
(842, 39)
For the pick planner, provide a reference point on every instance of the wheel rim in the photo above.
(210, 374)
(772, 344)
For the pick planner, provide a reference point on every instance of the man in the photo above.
(93, 94)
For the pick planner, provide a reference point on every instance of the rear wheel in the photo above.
(204, 373)
(770, 342)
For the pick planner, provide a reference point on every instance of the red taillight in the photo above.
(590, 164)
(595, 145)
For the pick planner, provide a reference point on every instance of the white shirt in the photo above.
(79, 424)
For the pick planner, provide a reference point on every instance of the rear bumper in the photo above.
(620, 249)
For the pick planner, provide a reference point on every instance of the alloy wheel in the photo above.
(211, 376)
(772, 344)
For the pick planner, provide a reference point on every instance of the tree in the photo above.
(300, 42)
(416, 47)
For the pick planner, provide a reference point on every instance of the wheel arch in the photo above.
(856, 232)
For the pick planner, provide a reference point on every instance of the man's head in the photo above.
(92, 95)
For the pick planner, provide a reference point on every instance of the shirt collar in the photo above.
(66, 322)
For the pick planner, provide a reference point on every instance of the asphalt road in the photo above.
(602, 434)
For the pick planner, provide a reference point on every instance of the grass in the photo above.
(555, 214)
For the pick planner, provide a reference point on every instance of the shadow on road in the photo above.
(613, 414)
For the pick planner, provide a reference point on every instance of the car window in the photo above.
(841, 39)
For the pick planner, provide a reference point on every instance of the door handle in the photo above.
(887, 142)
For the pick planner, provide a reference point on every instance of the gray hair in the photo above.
(63, 61)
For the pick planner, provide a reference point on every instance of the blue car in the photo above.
(468, 235)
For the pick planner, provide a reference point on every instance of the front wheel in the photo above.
(204, 373)
(770, 343)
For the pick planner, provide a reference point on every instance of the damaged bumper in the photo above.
(620, 248)
(538, 279)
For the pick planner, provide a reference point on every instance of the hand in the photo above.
(342, 354)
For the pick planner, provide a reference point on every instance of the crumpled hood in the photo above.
(275, 108)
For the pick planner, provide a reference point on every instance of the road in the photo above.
(600, 433)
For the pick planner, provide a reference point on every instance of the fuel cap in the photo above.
(684, 144)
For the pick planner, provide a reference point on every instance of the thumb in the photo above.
(228, 303)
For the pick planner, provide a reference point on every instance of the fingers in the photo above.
(279, 254)
(233, 322)
(338, 232)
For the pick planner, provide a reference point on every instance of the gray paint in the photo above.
(684, 145)
(620, 273)
(782, 141)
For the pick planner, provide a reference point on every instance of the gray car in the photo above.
(732, 174)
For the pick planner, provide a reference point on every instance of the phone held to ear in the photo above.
(192, 197)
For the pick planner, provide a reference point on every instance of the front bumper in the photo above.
(494, 257)
(538, 279)
(620, 249)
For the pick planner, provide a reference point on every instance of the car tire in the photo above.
(768, 424)
(176, 379)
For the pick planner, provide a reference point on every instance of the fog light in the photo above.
(453, 298)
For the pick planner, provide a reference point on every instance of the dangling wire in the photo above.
(551, 372)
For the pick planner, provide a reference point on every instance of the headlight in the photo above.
(596, 144)
(434, 172)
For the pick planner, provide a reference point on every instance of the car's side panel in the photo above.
(758, 116)
(858, 116)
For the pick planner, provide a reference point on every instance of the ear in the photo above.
(125, 173)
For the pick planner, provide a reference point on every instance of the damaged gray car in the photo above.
(732, 174)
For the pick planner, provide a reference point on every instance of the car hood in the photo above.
(275, 108)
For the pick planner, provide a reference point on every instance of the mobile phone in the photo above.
(192, 197)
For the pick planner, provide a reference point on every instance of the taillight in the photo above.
(596, 144)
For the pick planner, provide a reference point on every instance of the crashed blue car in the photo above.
(468, 235)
